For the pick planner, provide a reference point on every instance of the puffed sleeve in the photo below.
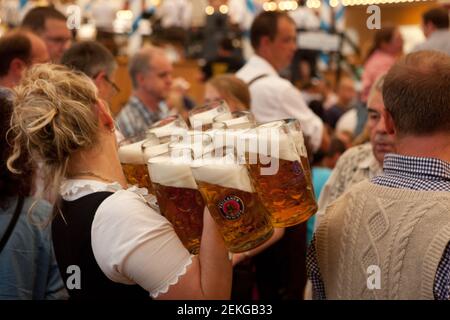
(133, 244)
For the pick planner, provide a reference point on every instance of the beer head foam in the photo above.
(168, 172)
(171, 129)
(271, 140)
(132, 153)
(222, 172)
(205, 117)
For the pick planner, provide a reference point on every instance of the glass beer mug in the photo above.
(168, 129)
(201, 118)
(235, 120)
(178, 197)
(242, 220)
(278, 175)
(295, 130)
(133, 156)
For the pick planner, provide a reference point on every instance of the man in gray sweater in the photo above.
(389, 238)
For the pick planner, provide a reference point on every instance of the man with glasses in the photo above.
(97, 62)
(49, 24)
(151, 75)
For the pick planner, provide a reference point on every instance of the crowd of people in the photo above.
(380, 166)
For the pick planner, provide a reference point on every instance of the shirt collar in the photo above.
(262, 65)
(416, 167)
(371, 164)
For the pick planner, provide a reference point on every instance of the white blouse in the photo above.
(131, 241)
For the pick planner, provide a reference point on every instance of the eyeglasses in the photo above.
(112, 83)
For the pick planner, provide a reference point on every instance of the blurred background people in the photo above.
(95, 60)
(360, 162)
(229, 88)
(28, 268)
(435, 26)
(273, 38)
(19, 50)
(49, 24)
(151, 75)
(226, 60)
(387, 46)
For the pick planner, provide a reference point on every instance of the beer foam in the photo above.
(297, 136)
(171, 173)
(168, 130)
(222, 172)
(205, 117)
(270, 141)
(132, 153)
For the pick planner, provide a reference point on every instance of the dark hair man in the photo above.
(274, 40)
(49, 24)
(96, 62)
(435, 26)
(18, 50)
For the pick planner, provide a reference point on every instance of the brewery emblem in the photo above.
(297, 168)
(231, 207)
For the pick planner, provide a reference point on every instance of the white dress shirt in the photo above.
(275, 98)
(439, 40)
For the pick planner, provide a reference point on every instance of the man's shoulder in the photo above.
(357, 153)
(130, 107)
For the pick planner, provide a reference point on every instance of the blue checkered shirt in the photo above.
(423, 174)
(135, 117)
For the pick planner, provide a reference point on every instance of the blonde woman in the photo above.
(229, 88)
(108, 242)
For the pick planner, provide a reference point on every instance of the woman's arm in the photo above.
(210, 274)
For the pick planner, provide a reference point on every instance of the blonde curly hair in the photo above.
(54, 116)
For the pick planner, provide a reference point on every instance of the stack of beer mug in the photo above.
(251, 177)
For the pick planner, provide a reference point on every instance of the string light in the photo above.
(369, 2)
(223, 9)
(209, 10)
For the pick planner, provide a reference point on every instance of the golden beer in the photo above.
(286, 191)
(296, 132)
(287, 195)
(133, 157)
(183, 207)
(179, 199)
(137, 175)
(242, 220)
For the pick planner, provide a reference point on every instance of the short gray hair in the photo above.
(90, 57)
(141, 62)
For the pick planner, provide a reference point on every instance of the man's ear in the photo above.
(140, 78)
(389, 122)
(17, 66)
(98, 78)
(104, 114)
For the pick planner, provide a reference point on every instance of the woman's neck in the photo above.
(99, 163)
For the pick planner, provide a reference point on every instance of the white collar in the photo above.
(262, 65)
(371, 164)
(73, 189)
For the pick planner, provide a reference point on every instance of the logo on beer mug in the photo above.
(231, 207)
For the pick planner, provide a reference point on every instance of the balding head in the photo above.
(142, 62)
(19, 49)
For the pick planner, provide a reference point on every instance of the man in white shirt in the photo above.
(435, 24)
(273, 37)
